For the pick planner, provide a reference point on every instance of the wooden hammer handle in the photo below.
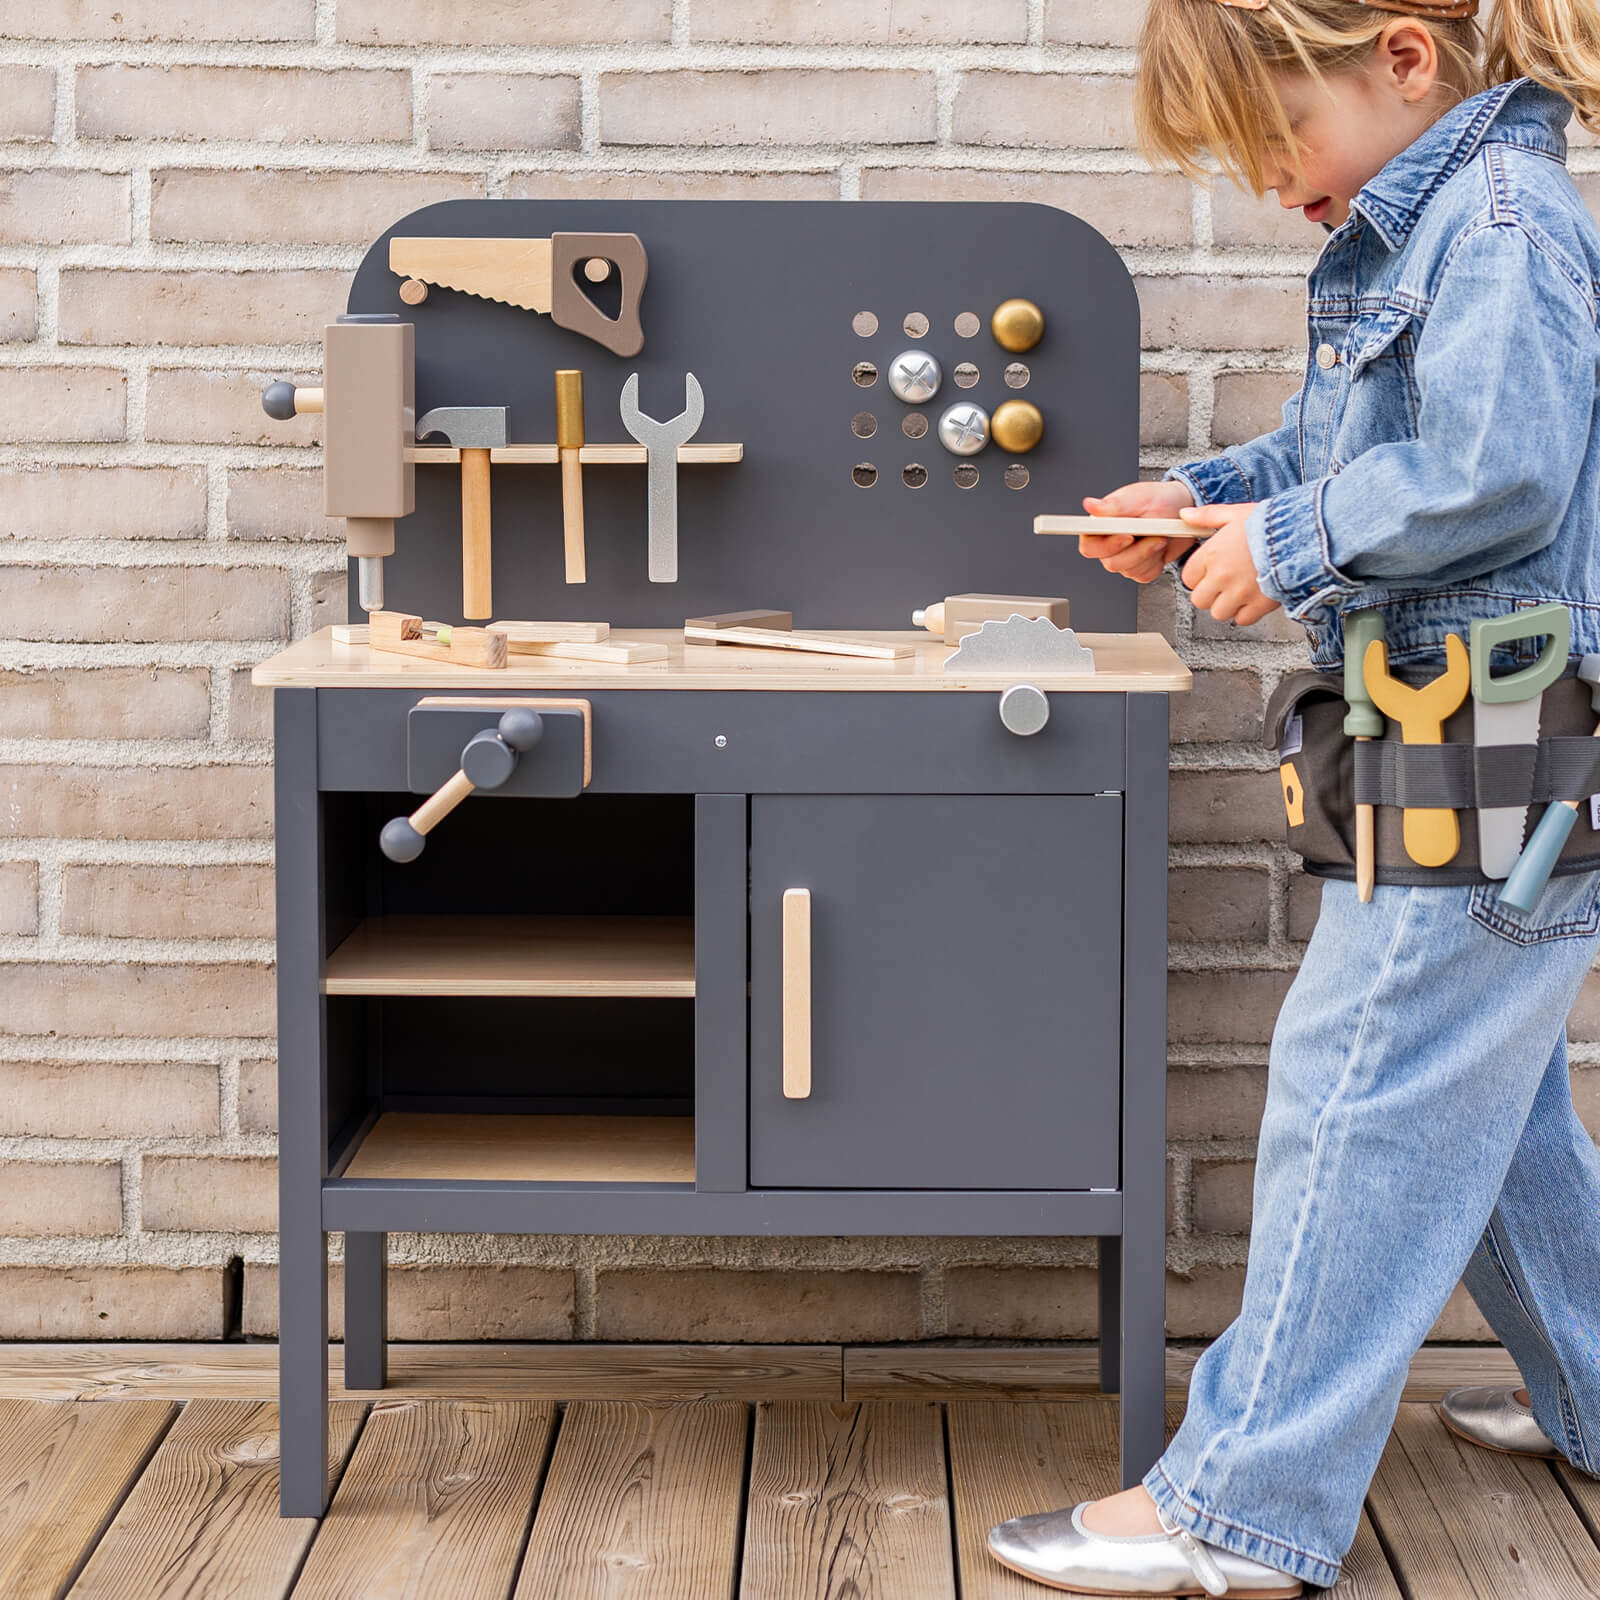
(475, 536)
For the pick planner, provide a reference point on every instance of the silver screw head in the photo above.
(914, 376)
(964, 428)
(721, 741)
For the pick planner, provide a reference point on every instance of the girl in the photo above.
(1441, 463)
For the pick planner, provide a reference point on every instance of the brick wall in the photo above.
(185, 189)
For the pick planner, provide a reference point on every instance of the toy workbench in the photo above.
(730, 817)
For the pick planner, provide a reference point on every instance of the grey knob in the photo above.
(914, 376)
(964, 428)
(277, 400)
(399, 841)
(1024, 709)
(490, 757)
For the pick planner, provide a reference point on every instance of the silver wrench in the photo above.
(661, 441)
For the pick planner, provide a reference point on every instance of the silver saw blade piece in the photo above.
(661, 441)
(1021, 644)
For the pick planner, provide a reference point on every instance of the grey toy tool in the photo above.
(475, 431)
(661, 441)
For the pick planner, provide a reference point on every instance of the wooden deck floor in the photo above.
(140, 1498)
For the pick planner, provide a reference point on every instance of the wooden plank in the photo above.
(662, 1373)
(1464, 1523)
(1139, 527)
(551, 632)
(611, 651)
(64, 1470)
(1133, 663)
(848, 1500)
(596, 957)
(640, 1503)
(820, 644)
(1584, 1492)
(435, 1501)
(203, 1523)
(411, 1144)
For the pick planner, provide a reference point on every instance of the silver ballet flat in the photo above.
(1495, 1419)
(1056, 1549)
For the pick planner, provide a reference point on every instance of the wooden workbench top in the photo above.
(1124, 663)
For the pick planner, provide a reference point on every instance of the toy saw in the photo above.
(534, 274)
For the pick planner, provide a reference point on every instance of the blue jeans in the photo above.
(1419, 1127)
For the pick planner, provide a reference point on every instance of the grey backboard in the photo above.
(758, 300)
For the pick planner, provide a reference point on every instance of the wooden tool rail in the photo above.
(589, 455)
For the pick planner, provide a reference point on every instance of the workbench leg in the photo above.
(1144, 1087)
(366, 1310)
(1110, 1313)
(302, 1112)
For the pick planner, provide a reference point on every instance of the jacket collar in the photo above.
(1520, 113)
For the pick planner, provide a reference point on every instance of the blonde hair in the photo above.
(1206, 70)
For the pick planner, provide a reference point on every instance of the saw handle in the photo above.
(572, 309)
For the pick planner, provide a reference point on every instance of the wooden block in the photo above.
(962, 614)
(743, 619)
(1141, 527)
(368, 376)
(350, 633)
(551, 632)
(813, 643)
(620, 652)
(398, 634)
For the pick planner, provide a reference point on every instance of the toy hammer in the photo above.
(1539, 855)
(474, 431)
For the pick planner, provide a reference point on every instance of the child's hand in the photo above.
(1221, 573)
(1139, 559)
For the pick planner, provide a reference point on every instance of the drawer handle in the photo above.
(797, 994)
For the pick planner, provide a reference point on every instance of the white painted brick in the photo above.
(115, 306)
(106, 703)
(1094, 22)
(108, 1099)
(27, 103)
(109, 502)
(781, 105)
(525, 22)
(146, 603)
(503, 111)
(77, 1302)
(140, 21)
(19, 890)
(864, 22)
(198, 405)
(44, 404)
(49, 1198)
(274, 105)
(294, 206)
(1044, 110)
(51, 206)
(549, 185)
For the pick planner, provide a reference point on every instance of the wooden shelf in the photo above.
(640, 957)
(511, 1148)
(589, 455)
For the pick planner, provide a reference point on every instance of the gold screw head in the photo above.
(1016, 426)
(1017, 325)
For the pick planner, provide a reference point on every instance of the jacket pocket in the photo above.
(1380, 400)
(1569, 908)
(1384, 333)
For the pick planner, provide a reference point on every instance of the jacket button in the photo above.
(1327, 356)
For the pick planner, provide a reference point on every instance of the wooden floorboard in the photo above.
(659, 1373)
(436, 1501)
(1464, 1523)
(1584, 1492)
(64, 1470)
(203, 1522)
(641, 1502)
(848, 1500)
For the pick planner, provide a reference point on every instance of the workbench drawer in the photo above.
(706, 742)
(935, 991)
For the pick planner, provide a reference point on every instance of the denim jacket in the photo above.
(1442, 458)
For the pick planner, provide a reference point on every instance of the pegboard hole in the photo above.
(1017, 375)
(865, 374)
(864, 474)
(966, 476)
(967, 325)
(914, 475)
(863, 424)
(966, 375)
(914, 425)
(915, 324)
(865, 324)
(1016, 476)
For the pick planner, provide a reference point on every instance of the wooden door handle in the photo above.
(797, 994)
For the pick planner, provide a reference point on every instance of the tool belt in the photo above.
(1326, 775)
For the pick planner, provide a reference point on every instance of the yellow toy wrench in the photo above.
(1432, 836)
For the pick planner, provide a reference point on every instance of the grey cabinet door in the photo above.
(965, 991)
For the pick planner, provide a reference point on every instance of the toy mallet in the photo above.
(1364, 722)
(1539, 855)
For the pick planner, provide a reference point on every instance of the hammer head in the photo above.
(1589, 671)
(466, 427)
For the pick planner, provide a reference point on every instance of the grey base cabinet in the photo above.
(964, 1035)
